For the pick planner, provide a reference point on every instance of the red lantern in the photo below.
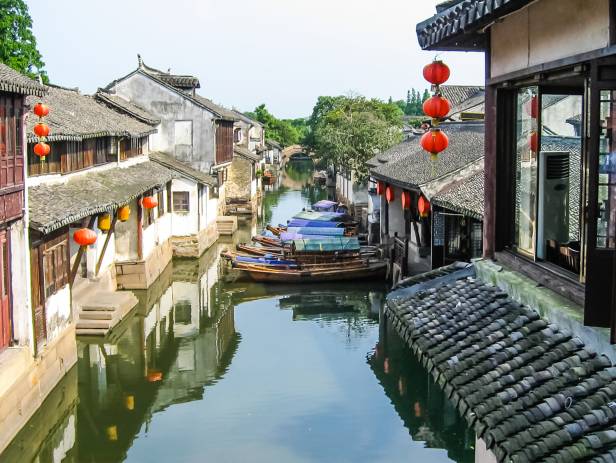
(534, 141)
(380, 188)
(423, 206)
(532, 107)
(154, 376)
(436, 107)
(434, 142)
(389, 194)
(436, 72)
(84, 237)
(42, 149)
(41, 130)
(149, 202)
(406, 199)
(41, 109)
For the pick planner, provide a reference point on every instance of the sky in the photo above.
(284, 53)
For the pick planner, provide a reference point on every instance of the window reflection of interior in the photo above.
(606, 220)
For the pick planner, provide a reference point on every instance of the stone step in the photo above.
(96, 324)
(90, 332)
(98, 308)
(97, 315)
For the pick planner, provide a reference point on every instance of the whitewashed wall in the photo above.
(58, 313)
(186, 223)
(20, 282)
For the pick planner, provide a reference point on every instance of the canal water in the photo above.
(211, 367)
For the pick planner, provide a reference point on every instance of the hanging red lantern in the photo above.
(42, 149)
(389, 194)
(434, 142)
(532, 107)
(149, 202)
(41, 130)
(40, 109)
(423, 206)
(406, 199)
(533, 141)
(436, 72)
(380, 188)
(436, 107)
(84, 237)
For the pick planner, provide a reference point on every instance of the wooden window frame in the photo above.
(181, 202)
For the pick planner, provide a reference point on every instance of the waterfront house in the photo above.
(410, 176)
(467, 102)
(192, 128)
(520, 360)
(273, 153)
(32, 361)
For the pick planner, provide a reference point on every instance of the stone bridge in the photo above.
(295, 151)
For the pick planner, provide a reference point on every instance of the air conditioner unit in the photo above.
(553, 207)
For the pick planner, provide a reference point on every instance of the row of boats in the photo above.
(315, 245)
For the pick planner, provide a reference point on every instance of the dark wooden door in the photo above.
(5, 291)
(601, 204)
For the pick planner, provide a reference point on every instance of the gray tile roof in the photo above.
(241, 116)
(183, 168)
(464, 98)
(273, 143)
(180, 81)
(53, 206)
(15, 82)
(465, 196)
(244, 152)
(459, 24)
(74, 116)
(223, 112)
(530, 390)
(120, 104)
(409, 166)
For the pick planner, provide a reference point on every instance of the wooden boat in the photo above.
(266, 240)
(314, 275)
(257, 250)
(276, 230)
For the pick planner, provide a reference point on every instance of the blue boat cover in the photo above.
(328, 244)
(289, 236)
(313, 223)
(324, 231)
(321, 216)
(325, 206)
(265, 261)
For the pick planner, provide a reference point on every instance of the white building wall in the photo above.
(20, 282)
(186, 223)
(58, 314)
(125, 237)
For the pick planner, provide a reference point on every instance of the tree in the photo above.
(284, 132)
(349, 130)
(17, 42)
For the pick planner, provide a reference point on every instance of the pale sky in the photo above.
(284, 53)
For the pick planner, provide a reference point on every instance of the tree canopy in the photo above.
(285, 132)
(349, 130)
(17, 42)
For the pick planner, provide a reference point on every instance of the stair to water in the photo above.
(100, 311)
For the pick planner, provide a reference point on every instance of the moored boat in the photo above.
(315, 275)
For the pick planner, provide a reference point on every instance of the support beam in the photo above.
(82, 249)
(139, 228)
(107, 239)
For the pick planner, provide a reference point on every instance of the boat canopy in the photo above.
(325, 206)
(329, 244)
(322, 216)
(313, 223)
(324, 231)
(290, 236)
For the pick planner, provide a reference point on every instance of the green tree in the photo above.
(284, 132)
(349, 130)
(17, 42)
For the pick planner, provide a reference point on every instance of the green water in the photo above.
(210, 367)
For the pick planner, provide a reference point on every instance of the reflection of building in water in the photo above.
(181, 339)
(426, 412)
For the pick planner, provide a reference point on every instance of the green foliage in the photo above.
(285, 132)
(17, 42)
(349, 130)
(414, 102)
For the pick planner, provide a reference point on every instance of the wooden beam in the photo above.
(139, 228)
(490, 164)
(107, 239)
(82, 249)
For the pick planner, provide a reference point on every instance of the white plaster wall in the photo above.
(157, 233)
(170, 106)
(396, 215)
(212, 209)
(253, 188)
(555, 116)
(125, 237)
(186, 223)
(20, 258)
(548, 30)
(58, 313)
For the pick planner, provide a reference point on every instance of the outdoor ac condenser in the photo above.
(553, 207)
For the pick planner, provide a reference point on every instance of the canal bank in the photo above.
(211, 367)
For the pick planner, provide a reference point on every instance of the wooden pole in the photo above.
(139, 228)
(107, 239)
(82, 249)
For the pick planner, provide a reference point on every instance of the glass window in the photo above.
(606, 220)
(527, 142)
(181, 201)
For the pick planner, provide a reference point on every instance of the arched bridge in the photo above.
(295, 152)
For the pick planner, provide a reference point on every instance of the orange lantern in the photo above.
(434, 142)
(389, 194)
(41, 150)
(534, 141)
(41, 130)
(40, 109)
(436, 72)
(436, 107)
(154, 376)
(380, 188)
(423, 206)
(84, 237)
(123, 213)
(406, 199)
(149, 202)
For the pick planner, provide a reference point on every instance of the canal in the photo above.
(210, 367)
